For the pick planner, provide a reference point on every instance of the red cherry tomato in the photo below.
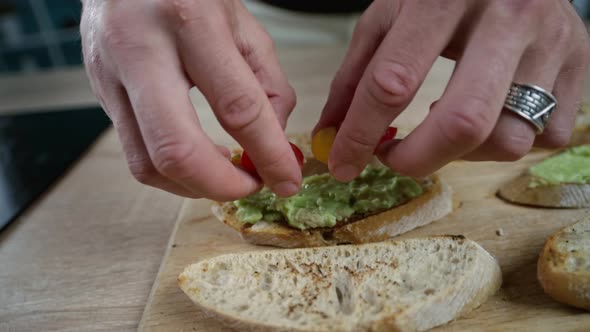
(298, 154)
(249, 167)
(389, 135)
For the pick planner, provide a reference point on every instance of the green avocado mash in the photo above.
(570, 166)
(323, 201)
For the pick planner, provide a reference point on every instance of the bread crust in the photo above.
(559, 282)
(564, 195)
(435, 203)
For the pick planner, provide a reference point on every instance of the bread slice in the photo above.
(435, 203)
(565, 195)
(409, 285)
(564, 265)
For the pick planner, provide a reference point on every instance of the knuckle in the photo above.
(266, 41)
(95, 66)
(522, 8)
(180, 13)
(114, 36)
(561, 33)
(444, 8)
(170, 8)
(392, 84)
(171, 158)
(118, 39)
(275, 162)
(173, 9)
(469, 123)
(237, 111)
(355, 141)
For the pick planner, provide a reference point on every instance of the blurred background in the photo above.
(38, 35)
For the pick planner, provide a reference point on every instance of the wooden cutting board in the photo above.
(520, 305)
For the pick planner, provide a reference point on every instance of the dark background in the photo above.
(39, 34)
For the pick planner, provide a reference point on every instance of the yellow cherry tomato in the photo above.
(321, 144)
(236, 159)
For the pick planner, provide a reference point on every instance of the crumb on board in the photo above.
(499, 232)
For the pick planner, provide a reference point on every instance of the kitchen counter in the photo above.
(84, 257)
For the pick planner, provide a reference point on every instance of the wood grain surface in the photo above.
(519, 306)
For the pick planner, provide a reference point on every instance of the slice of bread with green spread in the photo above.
(434, 201)
(559, 181)
(408, 285)
(564, 265)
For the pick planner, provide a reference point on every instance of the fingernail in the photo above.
(285, 188)
(345, 172)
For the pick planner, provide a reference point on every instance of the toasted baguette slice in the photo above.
(564, 265)
(409, 285)
(433, 204)
(564, 195)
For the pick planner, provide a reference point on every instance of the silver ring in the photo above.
(532, 103)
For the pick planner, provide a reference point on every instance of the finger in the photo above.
(117, 105)
(224, 151)
(369, 32)
(510, 140)
(240, 104)
(568, 92)
(177, 146)
(513, 136)
(258, 50)
(470, 106)
(569, 84)
(389, 83)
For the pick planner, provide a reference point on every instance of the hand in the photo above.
(142, 58)
(494, 42)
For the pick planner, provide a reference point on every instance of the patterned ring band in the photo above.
(532, 103)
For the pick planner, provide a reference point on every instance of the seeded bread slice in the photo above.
(409, 285)
(564, 265)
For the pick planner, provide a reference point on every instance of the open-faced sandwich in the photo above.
(377, 205)
(561, 181)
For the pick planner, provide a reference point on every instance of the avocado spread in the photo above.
(323, 201)
(571, 166)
